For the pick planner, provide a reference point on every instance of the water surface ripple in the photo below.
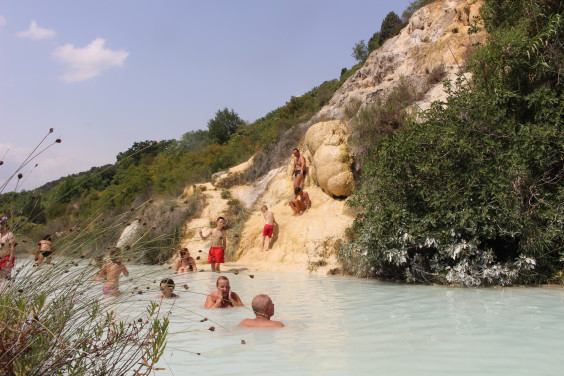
(347, 326)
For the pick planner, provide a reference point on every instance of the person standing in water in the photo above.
(223, 297)
(7, 249)
(218, 244)
(299, 170)
(44, 251)
(268, 227)
(111, 271)
(264, 310)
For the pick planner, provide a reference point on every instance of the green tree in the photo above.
(34, 210)
(194, 140)
(390, 27)
(374, 42)
(223, 125)
(360, 51)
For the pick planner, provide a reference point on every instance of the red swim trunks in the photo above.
(216, 255)
(267, 231)
(5, 262)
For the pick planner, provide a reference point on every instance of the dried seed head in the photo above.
(211, 328)
(20, 176)
(58, 140)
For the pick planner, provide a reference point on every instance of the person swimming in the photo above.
(185, 263)
(264, 310)
(223, 297)
(167, 288)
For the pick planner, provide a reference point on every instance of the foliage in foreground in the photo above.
(52, 323)
(474, 194)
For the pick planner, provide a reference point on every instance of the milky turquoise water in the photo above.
(347, 326)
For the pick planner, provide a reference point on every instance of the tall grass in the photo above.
(52, 320)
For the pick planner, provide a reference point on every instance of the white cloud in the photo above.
(90, 61)
(2, 20)
(36, 33)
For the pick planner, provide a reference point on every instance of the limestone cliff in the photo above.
(436, 35)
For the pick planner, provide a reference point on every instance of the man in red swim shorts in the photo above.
(218, 244)
(268, 227)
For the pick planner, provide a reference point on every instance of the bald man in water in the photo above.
(264, 310)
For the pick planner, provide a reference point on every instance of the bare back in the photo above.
(268, 217)
(112, 272)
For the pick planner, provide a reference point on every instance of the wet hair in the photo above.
(47, 237)
(168, 282)
(264, 208)
(218, 218)
(259, 302)
(297, 190)
(221, 277)
(115, 254)
(295, 149)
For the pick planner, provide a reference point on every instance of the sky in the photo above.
(105, 74)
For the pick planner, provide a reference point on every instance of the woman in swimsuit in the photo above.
(223, 297)
(44, 251)
(185, 263)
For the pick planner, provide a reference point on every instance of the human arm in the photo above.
(235, 299)
(177, 264)
(204, 237)
(124, 270)
(212, 301)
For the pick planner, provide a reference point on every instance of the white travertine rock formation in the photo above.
(436, 34)
(331, 162)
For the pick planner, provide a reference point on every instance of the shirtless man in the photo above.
(218, 244)
(299, 171)
(111, 271)
(268, 227)
(223, 297)
(300, 202)
(264, 310)
(44, 251)
(185, 263)
(7, 249)
(167, 288)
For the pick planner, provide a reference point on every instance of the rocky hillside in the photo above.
(436, 36)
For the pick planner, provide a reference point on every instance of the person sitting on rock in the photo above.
(301, 202)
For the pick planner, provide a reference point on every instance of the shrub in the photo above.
(472, 195)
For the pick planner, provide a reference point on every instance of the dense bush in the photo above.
(473, 194)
